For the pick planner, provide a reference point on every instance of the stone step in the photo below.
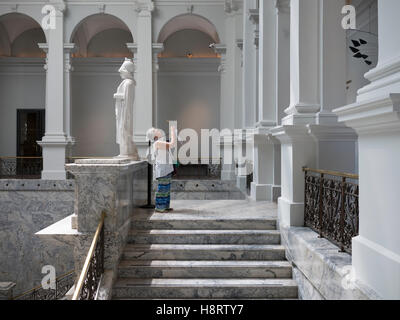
(203, 252)
(204, 236)
(204, 269)
(148, 222)
(205, 288)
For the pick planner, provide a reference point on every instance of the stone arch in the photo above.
(13, 26)
(188, 21)
(92, 26)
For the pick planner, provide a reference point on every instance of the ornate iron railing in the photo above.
(331, 206)
(62, 286)
(93, 268)
(20, 167)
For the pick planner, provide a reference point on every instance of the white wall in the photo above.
(189, 92)
(94, 82)
(22, 86)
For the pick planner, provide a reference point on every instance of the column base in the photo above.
(377, 266)
(54, 153)
(265, 192)
(290, 214)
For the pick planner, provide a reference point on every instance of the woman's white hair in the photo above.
(152, 133)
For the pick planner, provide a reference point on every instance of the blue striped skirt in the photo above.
(163, 194)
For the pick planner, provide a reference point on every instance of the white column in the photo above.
(55, 140)
(249, 67)
(157, 49)
(266, 154)
(144, 88)
(304, 62)
(282, 70)
(375, 117)
(297, 146)
(69, 48)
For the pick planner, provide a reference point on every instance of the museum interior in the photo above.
(298, 198)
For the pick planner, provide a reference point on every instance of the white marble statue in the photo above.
(125, 97)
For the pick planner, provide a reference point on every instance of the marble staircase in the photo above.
(205, 250)
(205, 189)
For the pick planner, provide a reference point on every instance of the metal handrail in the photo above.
(40, 286)
(333, 173)
(89, 257)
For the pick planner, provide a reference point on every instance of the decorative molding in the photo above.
(59, 5)
(102, 8)
(22, 67)
(144, 8)
(14, 7)
(190, 9)
(374, 116)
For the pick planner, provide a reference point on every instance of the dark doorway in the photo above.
(30, 129)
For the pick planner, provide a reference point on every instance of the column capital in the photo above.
(45, 48)
(132, 47)
(157, 48)
(220, 49)
(70, 47)
(144, 8)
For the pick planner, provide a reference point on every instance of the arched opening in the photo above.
(189, 83)
(22, 93)
(101, 48)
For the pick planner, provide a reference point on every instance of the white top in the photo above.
(163, 162)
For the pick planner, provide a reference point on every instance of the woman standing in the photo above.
(163, 166)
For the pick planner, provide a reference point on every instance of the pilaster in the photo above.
(157, 49)
(69, 48)
(144, 100)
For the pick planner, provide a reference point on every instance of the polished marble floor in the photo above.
(217, 209)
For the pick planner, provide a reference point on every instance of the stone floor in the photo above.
(228, 209)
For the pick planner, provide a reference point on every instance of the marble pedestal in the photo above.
(115, 186)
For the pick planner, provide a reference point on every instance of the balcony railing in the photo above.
(62, 285)
(28, 167)
(331, 206)
(20, 167)
(93, 268)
